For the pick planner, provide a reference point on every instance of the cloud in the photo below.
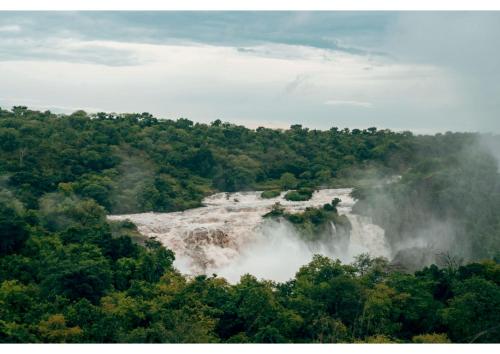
(414, 71)
(348, 103)
(65, 49)
(7, 102)
(300, 81)
(326, 30)
(467, 45)
(10, 28)
(206, 82)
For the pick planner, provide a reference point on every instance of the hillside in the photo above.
(67, 274)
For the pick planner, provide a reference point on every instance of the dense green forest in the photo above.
(69, 275)
(134, 162)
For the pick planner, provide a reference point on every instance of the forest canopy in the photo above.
(67, 274)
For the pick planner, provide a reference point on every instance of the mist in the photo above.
(444, 205)
(277, 254)
(229, 237)
(280, 251)
(491, 143)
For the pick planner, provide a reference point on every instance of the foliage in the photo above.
(78, 291)
(134, 162)
(431, 338)
(299, 195)
(314, 224)
(13, 231)
(270, 194)
(67, 275)
(448, 197)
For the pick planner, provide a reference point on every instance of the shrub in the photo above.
(431, 338)
(276, 211)
(270, 194)
(299, 195)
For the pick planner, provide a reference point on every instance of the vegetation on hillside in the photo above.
(68, 275)
(135, 162)
(448, 196)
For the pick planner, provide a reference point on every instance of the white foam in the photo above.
(228, 236)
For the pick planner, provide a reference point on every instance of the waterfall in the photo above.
(367, 237)
(333, 229)
(228, 236)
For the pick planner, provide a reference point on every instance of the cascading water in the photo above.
(229, 237)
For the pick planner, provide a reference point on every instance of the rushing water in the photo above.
(229, 237)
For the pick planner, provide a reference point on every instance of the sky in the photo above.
(420, 71)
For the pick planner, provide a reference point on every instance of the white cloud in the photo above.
(10, 28)
(348, 103)
(289, 84)
(466, 44)
(64, 49)
(418, 71)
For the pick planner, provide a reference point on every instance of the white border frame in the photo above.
(296, 5)
(251, 348)
(240, 5)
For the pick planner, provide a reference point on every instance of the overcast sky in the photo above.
(424, 72)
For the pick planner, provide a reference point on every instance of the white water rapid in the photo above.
(229, 237)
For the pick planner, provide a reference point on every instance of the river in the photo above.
(229, 237)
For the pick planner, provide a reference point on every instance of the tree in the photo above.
(97, 192)
(288, 181)
(473, 314)
(381, 311)
(154, 262)
(9, 139)
(13, 231)
(16, 301)
(76, 271)
(55, 330)
(431, 338)
(419, 313)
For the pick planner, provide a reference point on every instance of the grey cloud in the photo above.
(349, 32)
(299, 81)
(61, 50)
(464, 46)
(467, 44)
